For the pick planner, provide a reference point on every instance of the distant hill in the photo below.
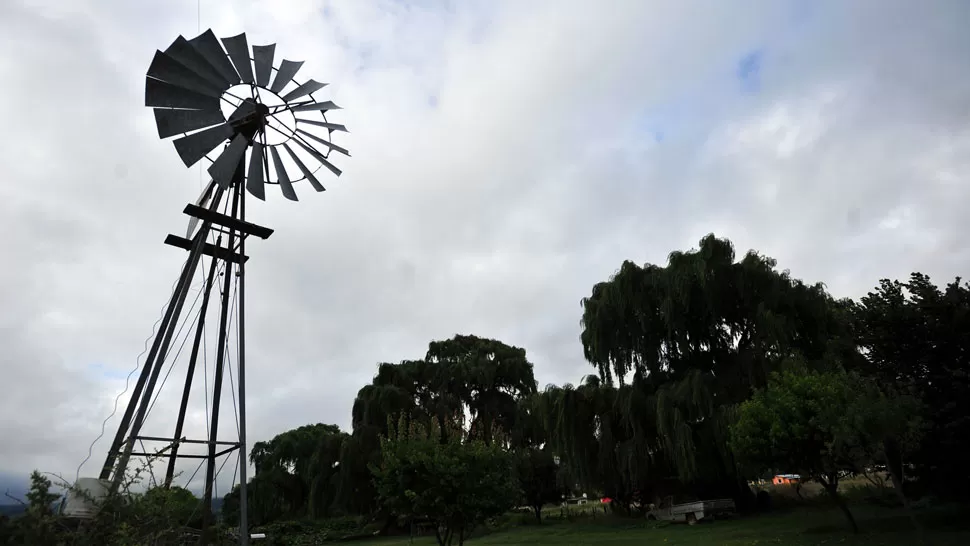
(11, 510)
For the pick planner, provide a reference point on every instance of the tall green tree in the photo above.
(441, 473)
(296, 475)
(489, 376)
(915, 338)
(819, 424)
(537, 471)
(465, 375)
(40, 499)
(683, 344)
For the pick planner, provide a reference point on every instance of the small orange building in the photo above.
(786, 479)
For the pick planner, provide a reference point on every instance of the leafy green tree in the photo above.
(538, 473)
(490, 376)
(818, 424)
(483, 378)
(296, 474)
(40, 499)
(37, 524)
(438, 472)
(159, 516)
(916, 341)
(677, 347)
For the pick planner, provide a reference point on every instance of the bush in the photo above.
(307, 532)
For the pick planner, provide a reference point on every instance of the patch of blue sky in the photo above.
(688, 114)
(749, 71)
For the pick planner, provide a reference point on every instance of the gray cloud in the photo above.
(503, 163)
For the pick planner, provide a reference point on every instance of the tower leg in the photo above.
(210, 471)
(141, 398)
(241, 330)
(193, 359)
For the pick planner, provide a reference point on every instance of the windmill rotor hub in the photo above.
(278, 124)
(249, 119)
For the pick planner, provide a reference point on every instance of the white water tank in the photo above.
(84, 499)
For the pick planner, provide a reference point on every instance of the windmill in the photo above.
(256, 125)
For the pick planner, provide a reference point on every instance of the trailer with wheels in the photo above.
(691, 512)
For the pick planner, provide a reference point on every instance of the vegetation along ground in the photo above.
(796, 527)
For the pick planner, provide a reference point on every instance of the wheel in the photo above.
(691, 519)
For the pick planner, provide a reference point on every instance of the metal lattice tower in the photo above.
(230, 105)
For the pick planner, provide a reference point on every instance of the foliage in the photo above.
(314, 531)
(296, 475)
(159, 516)
(40, 500)
(916, 341)
(676, 349)
(538, 473)
(442, 473)
(818, 424)
(483, 378)
(37, 525)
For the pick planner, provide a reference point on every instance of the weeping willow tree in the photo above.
(676, 349)
(605, 437)
(296, 474)
(465, 376)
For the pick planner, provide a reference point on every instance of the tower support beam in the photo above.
(120, 450)
(193, 359)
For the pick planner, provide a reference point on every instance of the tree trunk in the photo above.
(461, 536)
(894, 462)
(538, 510)
(831, 484)
(387, 525)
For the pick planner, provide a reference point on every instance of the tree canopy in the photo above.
(442, 473)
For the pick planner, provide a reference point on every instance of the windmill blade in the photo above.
(263, 59)
(306, 172)
(319, 157)
(182, 51)
(159, 93)
(193, 147)
(328, 125)
(254, 182)
(326, 143)
(309, 87)
(167, 69)
(200, 202)
(282, 177)
(208, 46)
(286, 72)
(238, 49)
(173, 122)
(226, 165)
(314, 106)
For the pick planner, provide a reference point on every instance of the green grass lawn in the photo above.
(802, 526)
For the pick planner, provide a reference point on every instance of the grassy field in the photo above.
(796, 527)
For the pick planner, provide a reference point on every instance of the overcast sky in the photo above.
(507, 155)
